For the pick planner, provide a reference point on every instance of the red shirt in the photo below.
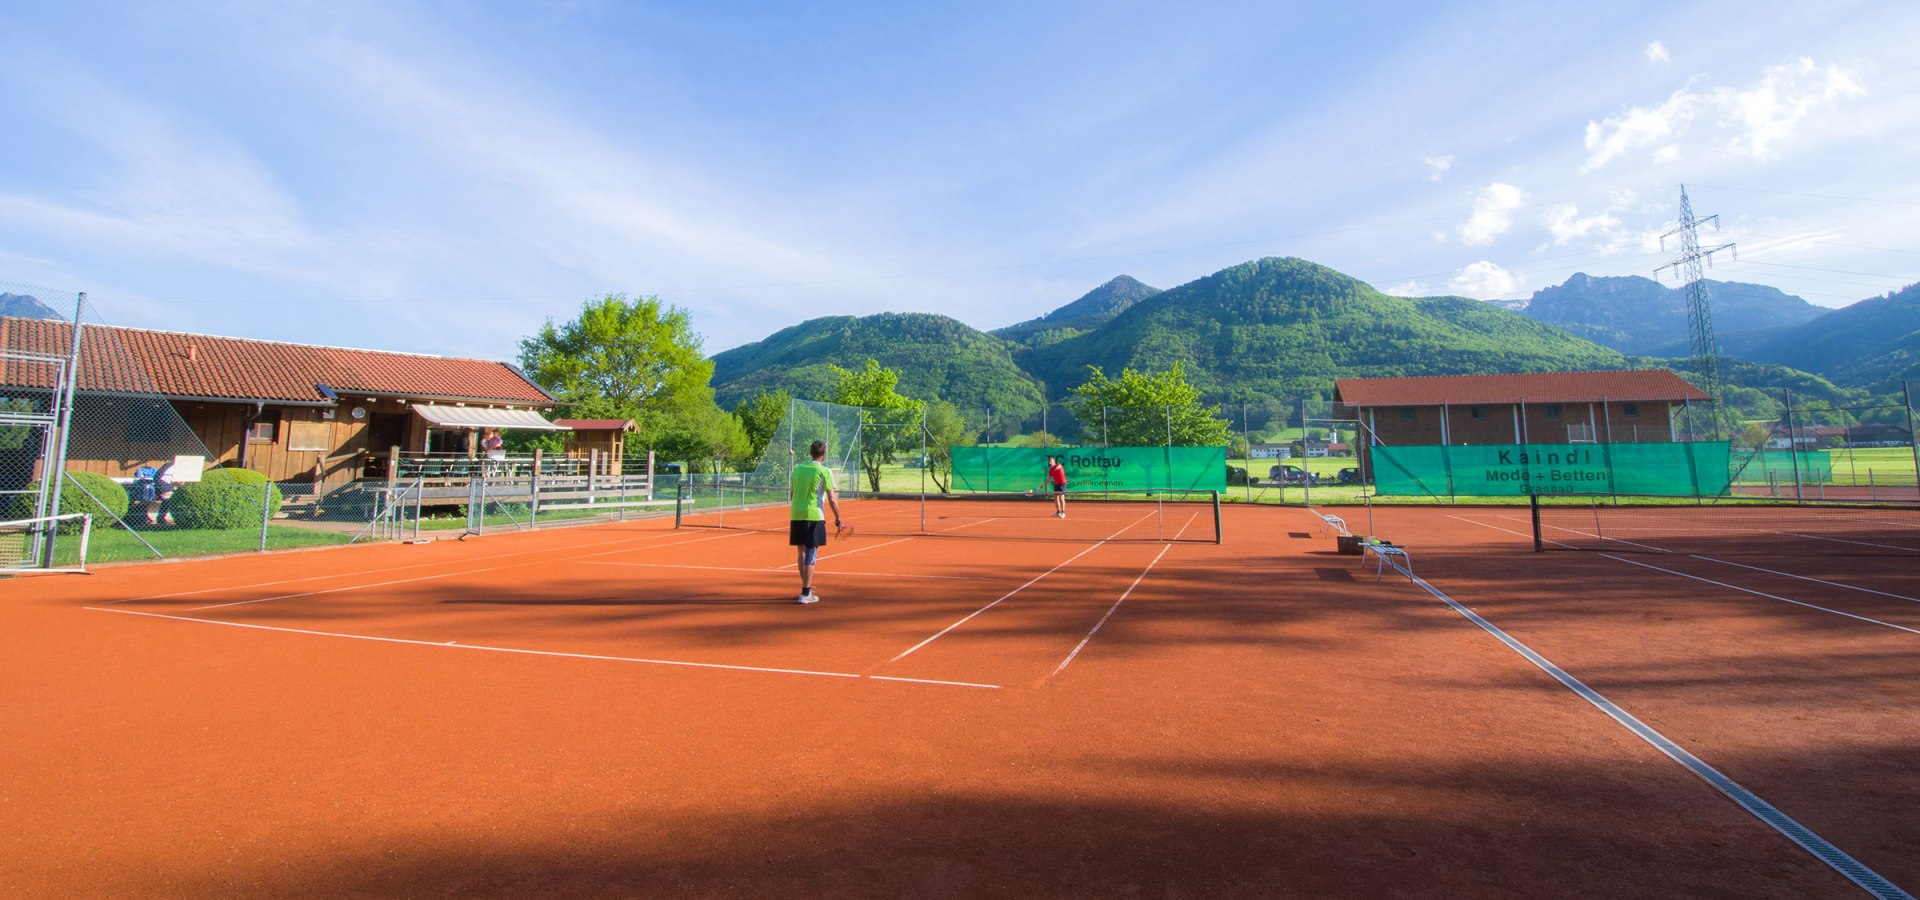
(1057, 474)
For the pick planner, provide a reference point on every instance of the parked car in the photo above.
(1348, 475)
(1284, 474)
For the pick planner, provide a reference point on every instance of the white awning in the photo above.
(481, 417)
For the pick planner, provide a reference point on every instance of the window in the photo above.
(1478, 412)
(265, 430)
(309, 436)
(1553, 410)
(1406, 414)
(1630, 409)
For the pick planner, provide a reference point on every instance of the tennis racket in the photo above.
(842, 530)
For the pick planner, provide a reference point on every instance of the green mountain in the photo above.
(1639, 315)
(1096, 308)
(1874, 343)
(935, 356)
(1277, 327)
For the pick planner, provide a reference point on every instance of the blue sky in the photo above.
(442, 177)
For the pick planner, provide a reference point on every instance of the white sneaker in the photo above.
(808, 597)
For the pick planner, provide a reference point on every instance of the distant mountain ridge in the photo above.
(1638, 315)
(1283, 328)
(1094, 309)
(1277, 327)
(26, 306)
(1874, 343)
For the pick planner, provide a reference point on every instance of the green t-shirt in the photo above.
(810, 479)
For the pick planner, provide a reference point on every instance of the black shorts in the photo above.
(802, 533)
(1059, 488)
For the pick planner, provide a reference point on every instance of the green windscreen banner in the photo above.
(1091, 468)
(1786, 467)
(1691, 469)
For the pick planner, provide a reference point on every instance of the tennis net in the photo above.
(1725, 527)
(24, 543)
(1136, 516)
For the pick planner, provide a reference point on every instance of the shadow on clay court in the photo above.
(1496, 829)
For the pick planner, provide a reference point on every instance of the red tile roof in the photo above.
(596, 424)
(173, 364)
(1539, 387)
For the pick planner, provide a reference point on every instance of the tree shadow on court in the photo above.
(1328, 828)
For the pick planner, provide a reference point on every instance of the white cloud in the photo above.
(1772, 110)
(1750, 121)
(1657, 53)
(1437, 166)
(1409, 288)
(1485, 280)
(1492, 214)
(1566, 224)
(1638, 127)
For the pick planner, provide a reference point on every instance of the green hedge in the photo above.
(224, 498)
(112, 504)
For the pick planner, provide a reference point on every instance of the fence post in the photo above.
(533, 489)
(266, 512)
(1793, 451)
(1913, 441)
(1246, 437)
(593, 467)
(65, 416)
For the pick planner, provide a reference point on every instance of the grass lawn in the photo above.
(119, 545)
(1883, 465)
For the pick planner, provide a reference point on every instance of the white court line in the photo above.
(971, 684)
(1736, 587)
(1524, 534)
(358, 587)
(970, 616)
(449, 645)
(1110, 611)
(836, 574)
(1836, 540)
(1754, 804)
(1837, 584)
(261, 584)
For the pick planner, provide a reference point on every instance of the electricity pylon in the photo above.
(1688, 265)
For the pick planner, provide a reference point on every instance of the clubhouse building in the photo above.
(1637, 406)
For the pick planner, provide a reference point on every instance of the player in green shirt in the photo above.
(811, 482)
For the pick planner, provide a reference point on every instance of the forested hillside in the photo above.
(1874, 343)
(1278, 327)
(936, 357)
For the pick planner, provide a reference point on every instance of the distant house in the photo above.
(1270, 451)
(1637, 406)
(294, 412)
(1878, 435)
(1806, 437)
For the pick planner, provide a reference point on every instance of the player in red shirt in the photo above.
(1057, 476)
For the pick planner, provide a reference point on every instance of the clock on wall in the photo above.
(359, 412)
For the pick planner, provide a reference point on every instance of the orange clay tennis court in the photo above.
(639, 710)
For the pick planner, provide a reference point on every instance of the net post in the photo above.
(86, 535)
(1533, 502)
(1218, 536)
(679, 503)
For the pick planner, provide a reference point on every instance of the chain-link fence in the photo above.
(167, 466)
